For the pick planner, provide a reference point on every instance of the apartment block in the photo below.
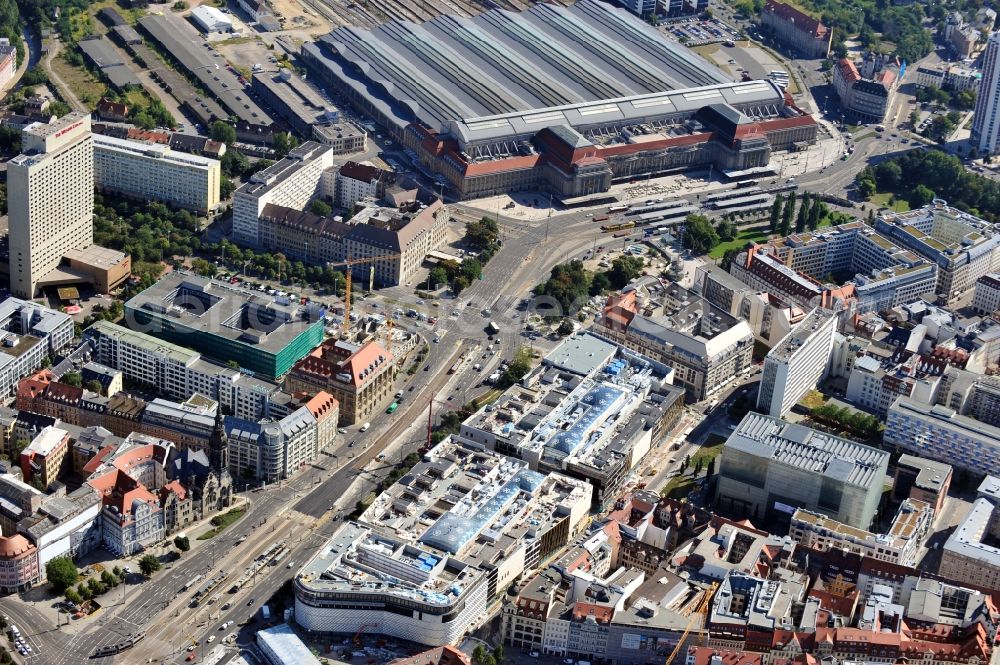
(797, 363)
(884, 274)
(356, 182)
(705, 346)
(51, 199)
(272, 450)
(921, 480)
(879, 377)
(986, 298)
(291, 182)
(942, 434)
(985, 136)
(970, 555)
(769, 465)
(150, 172)
(900, 545)
(44, 458)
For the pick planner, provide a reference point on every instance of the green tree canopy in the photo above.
(61, 573)
(699, 235)
(223, 132)
(320, 207)
(149, 564)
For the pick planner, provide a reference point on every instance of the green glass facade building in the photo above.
(265, 336)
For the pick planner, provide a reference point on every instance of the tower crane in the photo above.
(350, 263)
(700, 611)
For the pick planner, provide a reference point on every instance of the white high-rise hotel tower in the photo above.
(986, 124)
(50, 193)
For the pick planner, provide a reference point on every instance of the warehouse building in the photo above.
(573, 98)
(308, 112)
(186, 47)
(102, 56)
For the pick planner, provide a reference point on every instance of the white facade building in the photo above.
(986, 122)
(986, 298)
(209, 19)
(291, 182)
(272, 450)
(178, 372)
(940, 433)
(50, 198)
(797, 363)
(147, 171)
(431, 599)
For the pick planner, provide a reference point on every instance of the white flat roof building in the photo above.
(362, 580)
(209, 19)
(147, 171)
(291, 182)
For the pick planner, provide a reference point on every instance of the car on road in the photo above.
(250, 601)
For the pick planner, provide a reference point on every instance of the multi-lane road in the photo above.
(298, 512)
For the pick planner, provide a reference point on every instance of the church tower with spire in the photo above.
(218, 444)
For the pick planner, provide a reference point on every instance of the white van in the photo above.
(364, 428)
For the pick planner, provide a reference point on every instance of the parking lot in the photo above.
(696, 31)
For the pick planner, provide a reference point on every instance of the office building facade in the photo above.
(940, 433)
(797, 363)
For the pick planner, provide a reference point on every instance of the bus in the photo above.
(618, 208)
(602, 218)
(392, 407)
(747, 183)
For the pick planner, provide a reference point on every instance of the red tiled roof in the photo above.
(801, 20)
(322, 405)
(175, 487)
(704, 656)
(602, 613)
(848, 71)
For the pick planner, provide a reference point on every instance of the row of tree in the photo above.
(860, 424)
(811, 213)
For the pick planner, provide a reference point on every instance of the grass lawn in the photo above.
(812, 399)
(220, 522)
(678, 487)
(881, 199)
(742, 238)
(79, 80)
